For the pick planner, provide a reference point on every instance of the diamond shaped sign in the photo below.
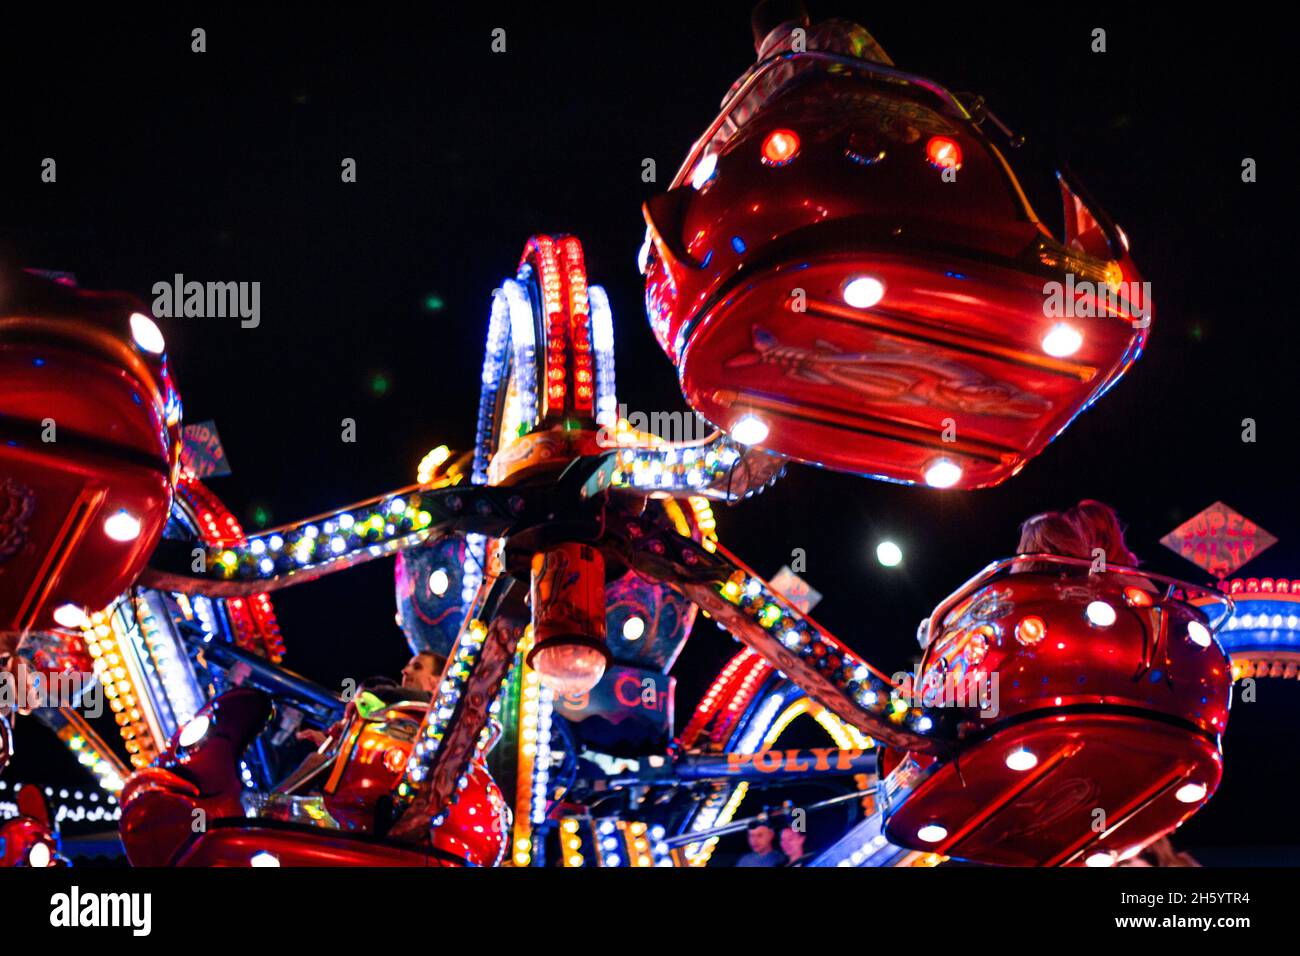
(795, 589)
(1218, 539)
(201, 450)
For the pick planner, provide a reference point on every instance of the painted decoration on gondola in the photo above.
(17, 502)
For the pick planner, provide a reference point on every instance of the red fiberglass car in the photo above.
(851, 275)
(1094, 706)
(336, 823)
(89, 445)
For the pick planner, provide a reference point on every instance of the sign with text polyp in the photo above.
(1218, 539)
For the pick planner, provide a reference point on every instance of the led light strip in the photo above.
(124, 696)
(362, 531)
(253, 623)
(602, 339)
(713, 469)
(575, 276)
(180, 690)
(532, 778)
(465, 653)
(89, 749)
(868, 688)
(571, 854)
(712, 700)
(540, 253)
(494, 370)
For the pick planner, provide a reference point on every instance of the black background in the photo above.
(225, 166)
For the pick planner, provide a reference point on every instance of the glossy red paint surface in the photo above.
(19, 836)
(1128, 767)
(70, 371)
(158, 803)
(745, 290)
(1092, 717)
(229, 845)
(1144, 660)
(30, 830)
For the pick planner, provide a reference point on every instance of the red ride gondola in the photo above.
(847, 272)
(1101, 733)
(28, 839)
(89, 444)
(334, 826)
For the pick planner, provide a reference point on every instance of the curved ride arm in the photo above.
(1195, 592)
(753, 612)
(456, 724)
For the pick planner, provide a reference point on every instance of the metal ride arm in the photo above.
(735, 826)
(362, 532)
(754, 613)
(450, 734)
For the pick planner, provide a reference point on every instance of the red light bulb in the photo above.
(943, 153)
(781, 146)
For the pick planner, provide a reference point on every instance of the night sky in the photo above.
(225, 166)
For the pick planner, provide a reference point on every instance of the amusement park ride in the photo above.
(845, 272)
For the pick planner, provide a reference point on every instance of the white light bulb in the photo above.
(69, 615)
(704, 170)
(931, 833)
(862, 292)
(194, 731)
(889, 554)
(122, 526)
(1191, 792)
(1022, 760)
(1100, 614)
(1062, 340)
(943, 474)
(750, 430)
(146, 333)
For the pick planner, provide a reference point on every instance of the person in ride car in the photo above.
(774, 23)
(419, 680)
(762, 845)
(792, 845)
(1051, 532)
(1100, 525)
(1103, 532)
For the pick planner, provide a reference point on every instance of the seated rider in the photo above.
(774, 23)
(419, 680)
(1051, 532)
(1089, 530)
